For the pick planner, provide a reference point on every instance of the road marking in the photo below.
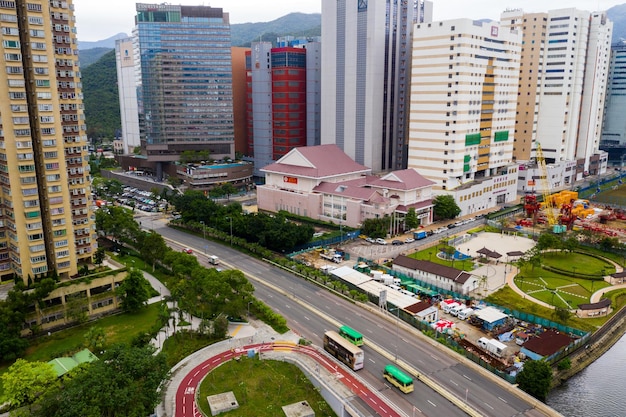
(432, 403)
(465, 376)
(489, 406)
(307, 318)
(371, 360)
(436, 358)
(454, 383)
(288, 306)
(236, 330)
(502, 399)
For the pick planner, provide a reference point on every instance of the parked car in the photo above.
(188, 250)
(409, 240)
(370, 240)
(381, 241)
(397, 242)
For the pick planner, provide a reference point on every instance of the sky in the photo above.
(97, 20)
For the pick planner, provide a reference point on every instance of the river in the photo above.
(597, 391)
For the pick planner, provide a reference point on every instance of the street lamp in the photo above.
(397, 327)
(231, 230)
(249, 302)
(203, 230)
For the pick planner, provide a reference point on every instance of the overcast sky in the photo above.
(98, 20)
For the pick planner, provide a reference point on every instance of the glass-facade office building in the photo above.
(185, 94)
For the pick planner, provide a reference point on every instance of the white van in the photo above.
(447, 307)
(464, 314)
(455, 310)
(214, 260)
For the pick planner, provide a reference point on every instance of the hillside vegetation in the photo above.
(102, 105)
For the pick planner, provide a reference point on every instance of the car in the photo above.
(397, 242)
(370, 240)
(188, 250)
(409, 240)
(459, 223)
(451, 225)
(381, 241)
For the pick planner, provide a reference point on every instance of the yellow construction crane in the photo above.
(548, 203)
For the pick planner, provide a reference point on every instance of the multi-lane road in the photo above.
(310, 311)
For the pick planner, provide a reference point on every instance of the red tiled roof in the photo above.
(323, 161)
(417, 307)
(548, 342)
(416, 206)
(406, 179)
(347, 189)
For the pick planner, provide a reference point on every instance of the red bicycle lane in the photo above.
(186, 392)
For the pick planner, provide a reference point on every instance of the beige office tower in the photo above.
(462, 119)
(563, 76)
(47, 223)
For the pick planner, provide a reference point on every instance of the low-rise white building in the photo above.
(441, 276)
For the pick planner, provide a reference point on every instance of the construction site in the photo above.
(564, 211)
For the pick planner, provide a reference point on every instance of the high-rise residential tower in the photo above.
(127, 91)
(47, 224)
(366, 54)
(462, 110)
(614, 124)
(562, 86)
(185, 92)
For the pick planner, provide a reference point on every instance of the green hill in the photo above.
(102, 105)
(296, 24)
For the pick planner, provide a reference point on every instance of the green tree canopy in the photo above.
(445, 207)
(411, 221)
(25, 381)
(133, 291)
(126, 381)
(535, 379)
(153, 247)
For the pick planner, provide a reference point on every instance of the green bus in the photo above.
(398, 378)
(351, 335)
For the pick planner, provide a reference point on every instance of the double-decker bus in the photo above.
(343, 350)
(398, 378)
(351, 335)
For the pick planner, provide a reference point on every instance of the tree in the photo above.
(133, 291)
(548, 241)
(126, 381)
(445, 207)
(25, 381)
(228, 189)
(153, 248)
(95, 339)
(99, 256)
(535, 379)
(562, 313)
(410, 220)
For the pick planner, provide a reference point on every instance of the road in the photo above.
(480, 392)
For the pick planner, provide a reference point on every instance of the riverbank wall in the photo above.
(601, 341)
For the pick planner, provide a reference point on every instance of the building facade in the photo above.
(324, 183)
(462, 111)
(47, 223)
(562, 85)
(185, 89)
(613, 139)
(127, 90)
(366, 50)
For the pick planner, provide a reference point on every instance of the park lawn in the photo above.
(577, 262)
(430, 255)
(119, 328)
(261, 388)
(508, 298)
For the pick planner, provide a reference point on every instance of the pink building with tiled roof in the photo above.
(322, 182)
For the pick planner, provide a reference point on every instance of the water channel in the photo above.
(598, 391)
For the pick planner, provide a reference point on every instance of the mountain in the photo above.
(296, 24)
(86, 57)
(108, 43)
(617, 14)
(102, 105)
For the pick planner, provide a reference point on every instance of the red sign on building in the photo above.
(290, 180)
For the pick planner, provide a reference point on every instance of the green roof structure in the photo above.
(65, 364)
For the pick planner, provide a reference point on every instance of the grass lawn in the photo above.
(261, 388)
(508, 298)
(430, 254)
(181, 345)
(539, 283)
(577, 262)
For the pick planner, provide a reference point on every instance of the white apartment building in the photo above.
(462, 110)
(365, 78)
(127, 90)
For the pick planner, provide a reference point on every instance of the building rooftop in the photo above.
(453, 274)
(548, 342)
